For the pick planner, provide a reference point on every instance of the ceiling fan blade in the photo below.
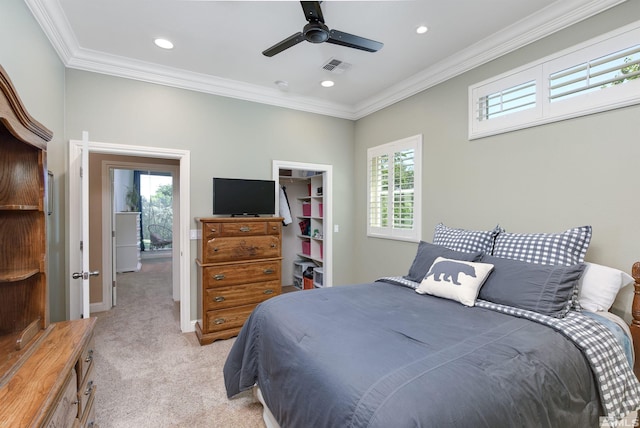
(285, 44)
(312, 11)
(349, 40)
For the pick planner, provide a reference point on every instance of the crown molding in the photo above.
(557, 16)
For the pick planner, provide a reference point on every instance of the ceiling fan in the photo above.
(317, 32)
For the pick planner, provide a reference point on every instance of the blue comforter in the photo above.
(380, 355)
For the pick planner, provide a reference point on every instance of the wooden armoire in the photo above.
(46, 376)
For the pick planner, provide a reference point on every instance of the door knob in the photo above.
(84, 275)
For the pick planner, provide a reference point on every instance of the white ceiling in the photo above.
(219, 44)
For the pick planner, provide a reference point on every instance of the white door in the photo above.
(79, 288)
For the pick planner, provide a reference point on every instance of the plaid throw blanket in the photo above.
(619, 387)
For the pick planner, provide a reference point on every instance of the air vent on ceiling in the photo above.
(336, 66)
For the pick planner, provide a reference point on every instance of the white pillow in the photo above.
(455, 279)
(599, 286)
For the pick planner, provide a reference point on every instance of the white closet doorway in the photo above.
(299, 175)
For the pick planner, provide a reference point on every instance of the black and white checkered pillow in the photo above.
(467, 241)
(565, 248)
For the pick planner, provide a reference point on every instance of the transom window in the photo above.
(600, 74)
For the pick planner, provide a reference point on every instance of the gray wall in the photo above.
(226, 137)
(543, 179)
(548, 178)
(38, 75)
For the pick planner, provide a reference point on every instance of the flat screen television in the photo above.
(236, 196)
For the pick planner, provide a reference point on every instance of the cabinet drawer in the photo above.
(85, 361)
(88, 418)
(225, 319)
(274, 227)
(86, 390)
(67, 408)
(238, 295)
(242, 228)
(224, 275)
(237, 248)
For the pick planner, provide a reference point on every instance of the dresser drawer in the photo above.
(246, 228)
(85, 362)
(225, 319)
(66, 410)
(238, 248)
(240, 273)
(88, 418)
(86, 390)
(239, 295)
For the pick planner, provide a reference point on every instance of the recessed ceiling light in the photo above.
(163, 43)
(422, 29)
(327, 83)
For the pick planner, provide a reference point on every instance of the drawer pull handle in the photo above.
(219, 321)
(215, 249)
(219, 299)
(268, 291)
(218, 277)
(269, 271)
(245, 229)
(273, 245)
(89, 388)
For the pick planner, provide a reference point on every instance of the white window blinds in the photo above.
(510, 100)
(597, 75)
(394, 174)
(613, 69)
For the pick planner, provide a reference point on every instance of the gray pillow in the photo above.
(546, 289)
(428, 253)
(564, 248)
(466, 240)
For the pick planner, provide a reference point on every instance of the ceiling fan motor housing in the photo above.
(316, 32)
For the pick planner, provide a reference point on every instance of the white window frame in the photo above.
(546, 111)
(389, 232)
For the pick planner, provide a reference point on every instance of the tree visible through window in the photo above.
(394, 196)
(157, 202)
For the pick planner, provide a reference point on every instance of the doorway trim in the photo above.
(327, 264)
(182, 233)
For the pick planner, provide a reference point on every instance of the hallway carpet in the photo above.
(149, 374)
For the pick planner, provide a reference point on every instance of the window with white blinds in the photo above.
(394, 177)
(506, 101)
(600, 74)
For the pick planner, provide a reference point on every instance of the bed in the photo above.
(488, 329)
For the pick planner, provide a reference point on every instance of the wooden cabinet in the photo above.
(23, 261)
(54, 387)
(127, 242)
(41, 364)
(239, 265)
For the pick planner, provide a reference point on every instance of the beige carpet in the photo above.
(149, 374)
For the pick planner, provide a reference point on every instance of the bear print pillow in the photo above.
(455, 279)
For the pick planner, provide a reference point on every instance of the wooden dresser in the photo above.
(239, 265)
(54, 387)
(45, 369)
